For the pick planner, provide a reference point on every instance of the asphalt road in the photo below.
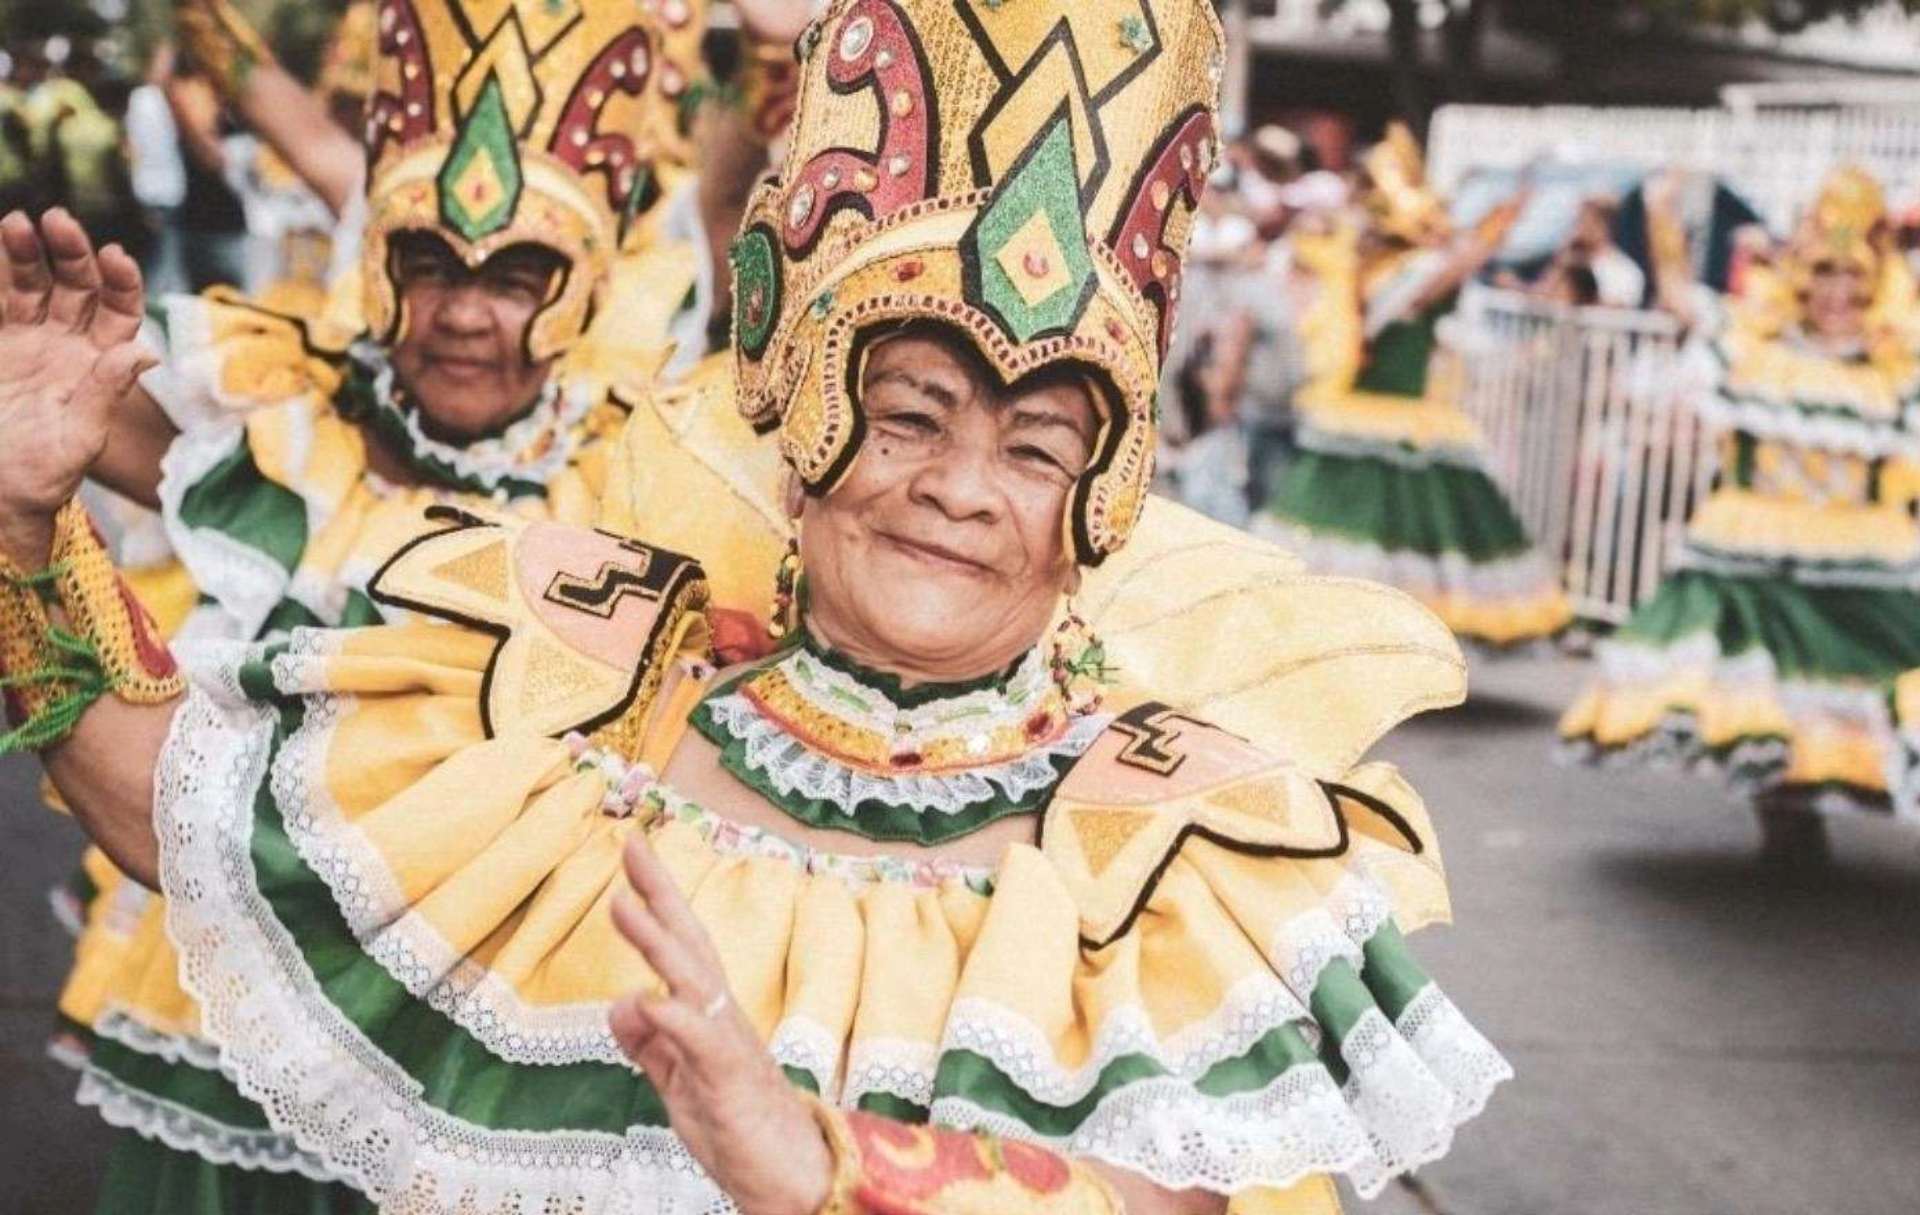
(1694, 1034)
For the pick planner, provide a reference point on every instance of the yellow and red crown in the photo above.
(1025, 172)
(495, 122)
(1398, 199)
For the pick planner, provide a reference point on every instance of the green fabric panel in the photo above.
(288, 615)
(1812, 632)
(1398, 356)
(236, 499)
(1340, 999)
(360, 611)
(457, 1074)
(801, 1078)
(1390, 973)
(1743, 457)
(977, 1079)
(1442, 508)
(889, 1106)
(205, 1092)
(147, 1178)
(1280, 1051)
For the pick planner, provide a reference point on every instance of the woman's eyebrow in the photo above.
(939, 394)
(1029, 417)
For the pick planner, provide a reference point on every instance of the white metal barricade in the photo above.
(1775, 157)
(1591, 433)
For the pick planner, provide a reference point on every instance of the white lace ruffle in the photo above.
(1789, 422)
(1397, 452)
(535, 448)
(186, 1130)
(1521, 576)
(288, 1048)
(795, 771)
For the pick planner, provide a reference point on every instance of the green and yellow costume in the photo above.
(1390, 482)
(1769, 655)
(389, 852)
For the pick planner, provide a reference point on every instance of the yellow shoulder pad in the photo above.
(588, 620)
(1155, 776)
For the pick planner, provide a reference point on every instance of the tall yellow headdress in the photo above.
(494, 122)
(1022, 170)
(1397, 197)
(1846, 224)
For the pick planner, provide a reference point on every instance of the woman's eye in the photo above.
(911, 424)
(1039, 457)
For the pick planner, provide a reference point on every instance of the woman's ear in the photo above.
(1073, 577)
(793, 494)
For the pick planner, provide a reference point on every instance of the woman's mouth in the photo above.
(934, 554)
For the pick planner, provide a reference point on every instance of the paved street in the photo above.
(1692, 1035)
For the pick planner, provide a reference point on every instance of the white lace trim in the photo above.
(1790, 422)
(796, 771)
(317, 1078)
(1862, 570)
(322, 1083)
(1521, 576)
(1403, 1100)
(245, 582)
(187, 1130)
(117, 1025)
(1400, 453)
(551, 429)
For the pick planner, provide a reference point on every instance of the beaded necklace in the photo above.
(836, 745)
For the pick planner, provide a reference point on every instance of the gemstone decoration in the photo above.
(856, 38)
(1033, 222)
(800, 206)
(481, 181)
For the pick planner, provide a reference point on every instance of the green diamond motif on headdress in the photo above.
(1028, 264)
(480, 183)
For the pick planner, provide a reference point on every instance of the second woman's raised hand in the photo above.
(69, 324)
(727, 1100)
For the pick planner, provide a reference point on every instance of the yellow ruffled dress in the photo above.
(389, 866)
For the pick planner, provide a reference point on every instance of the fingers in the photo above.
(122, 299)
(687, 976)
(76, 278)
(107, 382)
(652, 882)
(28, 279)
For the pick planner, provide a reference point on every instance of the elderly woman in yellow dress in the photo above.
(932, 913)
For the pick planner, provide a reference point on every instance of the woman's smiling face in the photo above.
(941, 555)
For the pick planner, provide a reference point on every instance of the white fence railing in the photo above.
(1774, 157)
(1592, 434)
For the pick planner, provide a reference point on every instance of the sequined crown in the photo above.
(1844, 222)
(1025, 171)
(494, 122)
(1397, 198)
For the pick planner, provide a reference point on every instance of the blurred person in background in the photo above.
(1767, 656)
(158, 172)
(1391, 482)
(213, 223)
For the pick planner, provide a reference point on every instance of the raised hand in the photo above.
(780, 21)
(728, 1102)
(69, 320)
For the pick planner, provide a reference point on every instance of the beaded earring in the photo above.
(1078, 660)
(786, 584)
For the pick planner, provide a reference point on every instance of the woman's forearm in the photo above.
(105, 771)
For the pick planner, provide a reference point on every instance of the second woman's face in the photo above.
(1836, 303)
(941, 554)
